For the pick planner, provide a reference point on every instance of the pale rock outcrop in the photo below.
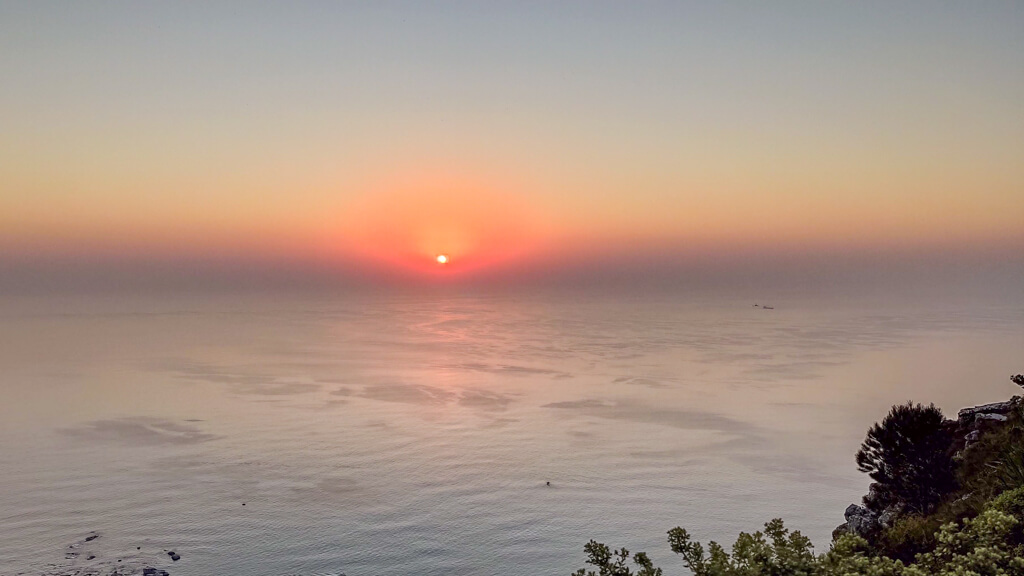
(968, 415)
(995, 417)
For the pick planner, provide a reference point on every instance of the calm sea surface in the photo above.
(416, 434)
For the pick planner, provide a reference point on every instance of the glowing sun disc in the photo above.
(442, 258)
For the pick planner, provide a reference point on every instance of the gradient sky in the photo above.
(386, 132)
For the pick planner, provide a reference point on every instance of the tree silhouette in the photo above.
(907, 456)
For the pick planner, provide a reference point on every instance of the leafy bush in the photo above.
(909, 536)
(1012, 502)
(774, 551)
(907, 455)
(615, 562)
(981, 546)
(851, 556)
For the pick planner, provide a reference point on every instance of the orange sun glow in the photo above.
(440, 224)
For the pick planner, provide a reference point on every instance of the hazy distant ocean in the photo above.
(415, 434)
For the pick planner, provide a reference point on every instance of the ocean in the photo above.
(417, 433)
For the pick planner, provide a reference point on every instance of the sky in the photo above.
(522, 139)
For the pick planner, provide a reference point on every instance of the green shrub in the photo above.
(979, 546)
(1012, 502)
(774, 551)
(908, 537)
(852, 556)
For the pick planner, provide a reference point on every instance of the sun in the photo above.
(442, 258)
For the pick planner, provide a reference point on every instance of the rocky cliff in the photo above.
(971, 425)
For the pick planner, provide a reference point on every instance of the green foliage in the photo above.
(988, 467)
(615, 562)
(907, 455)
(851, 556)
(774, 551)
(981, 546)
(1012, 502)
(976, 530)
(909, 536)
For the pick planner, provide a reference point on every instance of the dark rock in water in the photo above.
(91, 557)
(175, 557)
(91, 537)
(149, 572)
